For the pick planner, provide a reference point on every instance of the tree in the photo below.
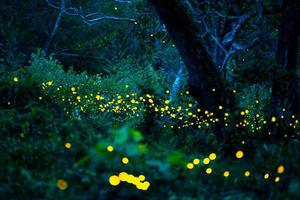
(206, 40)
(286, 89)
(88, 18)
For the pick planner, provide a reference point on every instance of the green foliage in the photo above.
(62, 134)
(35, 132)
(254, 99)
(127, 79)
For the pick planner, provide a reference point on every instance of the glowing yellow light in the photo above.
(167, 101)
(114, 180)
(110, 148)
(280, 169)
(49, 83)
(208, 170)
(145, 185)
(220, 107)
(206, 161)
(239, 154)
(247, 173)
(266, 176)
(123, 176)
(61, 184)
(141, 177)
(212, 156)
(243, 113)
(130, 178)
(73, 89)
(273, 119)
(150, 100)
(125, 160)
(196, 161)
(68, 145)
(15, 79)
(226, 173)
(190, 165)
(277, 179)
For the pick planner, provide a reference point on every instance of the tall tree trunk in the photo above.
(183, 27)
(286, 90)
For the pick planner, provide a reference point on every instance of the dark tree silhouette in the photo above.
(286, 90)
(206, 39)
(206, 47)
(184, 29)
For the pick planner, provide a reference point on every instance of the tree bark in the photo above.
(183, 28)
(286, 91)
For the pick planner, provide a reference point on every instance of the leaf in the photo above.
(136, 135)
(142, 149)
(121, 136)
(175, 157)
(84, 160)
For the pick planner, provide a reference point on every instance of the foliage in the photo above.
(95, 117)
(51, 153)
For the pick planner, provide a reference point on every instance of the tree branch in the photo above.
(236, 28)
(90, 18)
(235, 48)
(124, 1)
(56, 25)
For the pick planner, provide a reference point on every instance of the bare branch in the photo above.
(236, 28)
(94, 20)
(124, 1)
(52, 5)
(219, 14)
(56, 26)
(215, 39)
(235, 48)
(90, 18)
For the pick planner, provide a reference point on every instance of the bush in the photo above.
(58, 146)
